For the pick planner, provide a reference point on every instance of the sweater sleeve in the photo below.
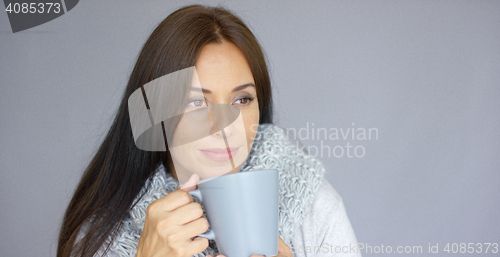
(325, 230)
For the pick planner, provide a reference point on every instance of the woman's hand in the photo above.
(171, 222)
(283, 250)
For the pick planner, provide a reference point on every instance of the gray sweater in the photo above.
(313, 220)
(325, 230)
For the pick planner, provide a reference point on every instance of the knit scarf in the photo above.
(300, 176)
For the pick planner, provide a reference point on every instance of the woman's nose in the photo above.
(224, 132)
(222, 118)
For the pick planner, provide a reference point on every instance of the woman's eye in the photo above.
(196, 103)
(244, 100)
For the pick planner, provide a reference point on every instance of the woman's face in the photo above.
(222, 76)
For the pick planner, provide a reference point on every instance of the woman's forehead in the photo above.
(222, 67)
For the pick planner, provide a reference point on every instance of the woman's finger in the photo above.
(191, 183)
(189, 212)
(283, 249)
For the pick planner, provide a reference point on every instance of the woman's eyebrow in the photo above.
(206, 91)
(238, 88)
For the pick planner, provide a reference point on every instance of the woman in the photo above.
(130, 202)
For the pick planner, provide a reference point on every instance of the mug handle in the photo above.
(210, 233)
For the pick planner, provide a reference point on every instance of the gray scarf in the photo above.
(299, 176)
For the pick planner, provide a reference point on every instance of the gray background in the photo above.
(424, 73)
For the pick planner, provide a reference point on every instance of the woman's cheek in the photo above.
(251, 121)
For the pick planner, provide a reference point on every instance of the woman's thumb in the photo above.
(191, 183)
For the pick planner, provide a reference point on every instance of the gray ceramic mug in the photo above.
(242, 210)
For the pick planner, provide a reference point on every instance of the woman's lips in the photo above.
(220, 154)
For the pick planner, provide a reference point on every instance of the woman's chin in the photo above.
(208, 168)
(216, 171)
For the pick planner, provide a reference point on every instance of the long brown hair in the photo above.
(119, 169)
